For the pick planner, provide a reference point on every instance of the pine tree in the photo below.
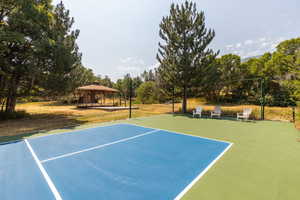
(184, 54)
(23, 28)
(37, 44)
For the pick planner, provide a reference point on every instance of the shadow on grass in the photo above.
(229, 118)
(58, 103)
(229, 104)
(13, 130)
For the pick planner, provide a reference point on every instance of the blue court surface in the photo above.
(122, 161)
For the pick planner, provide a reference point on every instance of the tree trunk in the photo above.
(11, 99)
(125, 100)
(2, 104)
(11, 104)
(184, 101)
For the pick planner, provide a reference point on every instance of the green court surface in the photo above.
(263, 163)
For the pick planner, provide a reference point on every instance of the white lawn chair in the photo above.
(245, 115)
(198, 111)
(216, 112)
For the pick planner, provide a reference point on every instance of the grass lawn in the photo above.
(263, 163)
(51, 115)
(297, 123)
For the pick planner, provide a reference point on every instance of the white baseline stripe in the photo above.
(69, 132)
(46, 176)
(187, 188)
(186, 134)
(99, 146)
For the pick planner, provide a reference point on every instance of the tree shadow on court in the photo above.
(36, 124)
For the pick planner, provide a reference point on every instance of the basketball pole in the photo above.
(262, 99)
(173, 100)
(262, 106)
(130, 97)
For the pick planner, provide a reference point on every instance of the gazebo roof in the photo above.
(97, 88)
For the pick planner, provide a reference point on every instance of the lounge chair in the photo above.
(197, 111)
(245, 115)
(216, 112)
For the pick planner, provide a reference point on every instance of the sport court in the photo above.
(121, 161)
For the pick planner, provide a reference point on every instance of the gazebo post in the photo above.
(113, 99)
(104, 97)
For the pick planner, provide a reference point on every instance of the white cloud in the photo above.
(264, 44)
(273, 45)
(248, 42)
(230, 46)
(128, 69)
(254, 47)
(156, 65)
(134, 66)
(262, 39)
(133, 60)
(125, 60)
(238, 45)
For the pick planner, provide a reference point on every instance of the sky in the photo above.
(119, 37)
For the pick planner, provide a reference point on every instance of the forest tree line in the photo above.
(39, 57)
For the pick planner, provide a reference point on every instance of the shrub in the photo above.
(146, 93)
(30, 99)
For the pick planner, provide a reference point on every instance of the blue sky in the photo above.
(119, 37)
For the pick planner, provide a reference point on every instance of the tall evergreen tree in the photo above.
(24, 26)
(63, 52)
(184, 55)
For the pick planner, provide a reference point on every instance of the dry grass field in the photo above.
(51, 115)
(297, 124)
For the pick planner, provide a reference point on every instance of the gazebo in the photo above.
(95, 96)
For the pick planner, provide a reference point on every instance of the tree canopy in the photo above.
(38, 47)
(39, 56)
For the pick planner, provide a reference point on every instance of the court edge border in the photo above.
(44, 172)
(51, 134)
(178, 197)
(71, 131)
(189, 186)
(195, 180)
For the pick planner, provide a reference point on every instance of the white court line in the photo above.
(70, 132)
(189, 186)
(42, 169)
(177, 133)
(99, 146)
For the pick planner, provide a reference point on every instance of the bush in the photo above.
(13, 115)
(146, 93)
